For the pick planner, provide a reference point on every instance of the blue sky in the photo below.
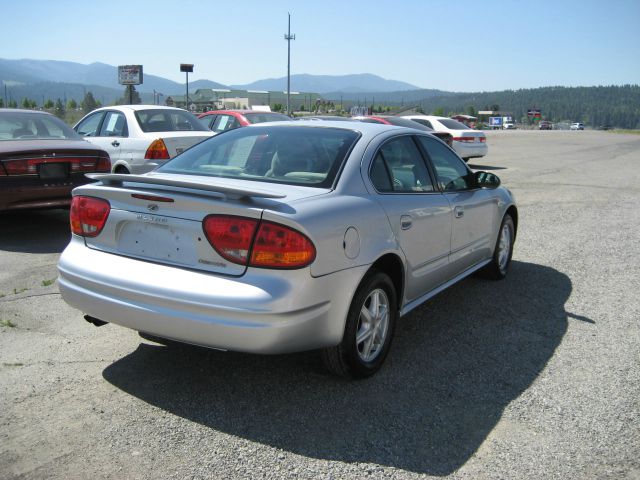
(457, 45)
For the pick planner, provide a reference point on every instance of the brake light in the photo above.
(88, 215)
(482, 139)
(29, 166)
(258, 243)
(465, 139)
(157, 151)
(230, 236)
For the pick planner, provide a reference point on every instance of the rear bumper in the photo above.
(470, 150)
(259, 312)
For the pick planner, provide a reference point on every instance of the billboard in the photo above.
(130, 74)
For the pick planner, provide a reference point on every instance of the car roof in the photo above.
(23, 110)
(367, 129)
(139, 107)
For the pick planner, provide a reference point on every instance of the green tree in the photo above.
(131, 96)
(439, 112)
(278, 107)
(1, 103)
(13, 104)
(471, 110)
(72, 104)
(26, 103)
(88, 103)
(59, 109)
(49, 104)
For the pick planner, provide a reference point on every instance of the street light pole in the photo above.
(288, 37)
(186, 67)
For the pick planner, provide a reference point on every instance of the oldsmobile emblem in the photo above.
(152, 207)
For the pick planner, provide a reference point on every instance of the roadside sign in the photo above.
(130, 74)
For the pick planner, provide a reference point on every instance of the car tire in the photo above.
(503, 251)
(369, 329)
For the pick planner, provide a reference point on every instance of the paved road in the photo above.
(537, 376)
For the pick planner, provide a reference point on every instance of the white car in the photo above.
(139, 138)
(577, 126)
(467, 143)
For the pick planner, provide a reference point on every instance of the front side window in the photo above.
(288, 155)
(452, 173)
(90, 125)
(398, 167)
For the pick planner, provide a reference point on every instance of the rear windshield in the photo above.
(265, 117)
(453, 124)
(161, 120)
(29, 126)
(294, 155)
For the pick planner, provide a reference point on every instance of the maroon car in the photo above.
(42, 160)
(221, 120)
(405, 122)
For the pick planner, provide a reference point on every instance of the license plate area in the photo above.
(53, 171)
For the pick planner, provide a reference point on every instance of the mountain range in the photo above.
(73, 79)
(599, 105)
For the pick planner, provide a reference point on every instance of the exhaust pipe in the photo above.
(95, 321)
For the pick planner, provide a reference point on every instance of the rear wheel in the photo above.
(503, 251)
(369, 329)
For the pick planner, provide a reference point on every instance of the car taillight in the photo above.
(29, 166)
(230, 236)
(482, 139)
(277, 246)
(257, 243)
(157, 151)
(88, 215)
(465, 139)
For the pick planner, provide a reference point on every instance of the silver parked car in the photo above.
(285, 237)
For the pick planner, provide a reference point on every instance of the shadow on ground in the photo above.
(456, 363)
(35, 231)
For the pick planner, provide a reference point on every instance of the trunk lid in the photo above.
(158, 217)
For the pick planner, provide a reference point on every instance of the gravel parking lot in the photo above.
(537, 376)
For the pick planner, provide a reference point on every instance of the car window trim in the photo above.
(432, 167)
(434, 182)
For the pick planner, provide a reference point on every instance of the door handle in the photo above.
(405, 222)
(115, 143)
(458, 212)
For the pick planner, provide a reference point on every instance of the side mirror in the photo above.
(486, 180)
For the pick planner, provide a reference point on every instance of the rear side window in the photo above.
(289, 155)
(225, 122)
(453, 124)
(399, 167)
(423, 121)
(161, 120)
(114, 125)
(265, 117)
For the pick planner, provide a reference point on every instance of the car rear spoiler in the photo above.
(117, 179)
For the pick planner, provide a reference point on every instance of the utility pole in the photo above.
(288, 37)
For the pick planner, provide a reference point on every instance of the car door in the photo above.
(420, 215)
(474, 210)
(114, 133)
(94, 127)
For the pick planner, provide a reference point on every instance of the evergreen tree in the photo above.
(59, 109)
(72, 104)
(88, 103)
(49, 104)
(131, 96)
(13, 104)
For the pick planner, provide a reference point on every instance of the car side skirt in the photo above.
(420, 300)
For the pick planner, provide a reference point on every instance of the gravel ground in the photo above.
(537, 376)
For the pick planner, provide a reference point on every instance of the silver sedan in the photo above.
(286, 237)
